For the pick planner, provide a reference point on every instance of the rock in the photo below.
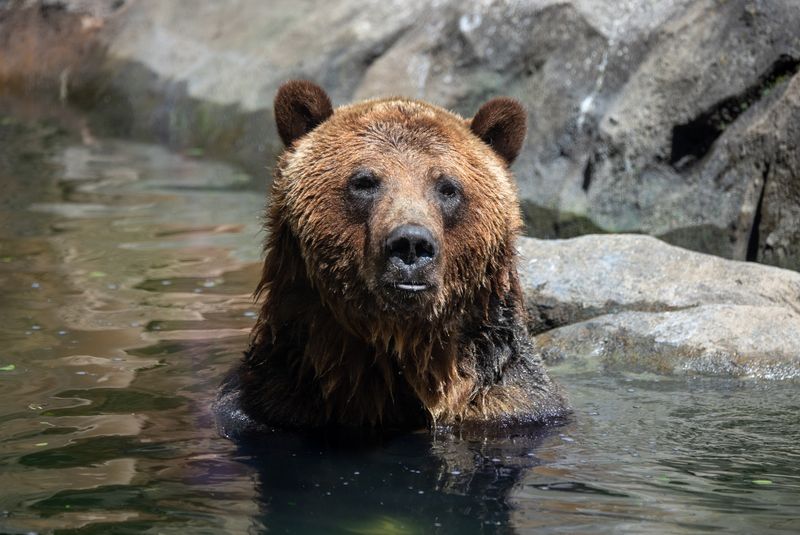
(679, 119)
(634, 303)
(716, 340)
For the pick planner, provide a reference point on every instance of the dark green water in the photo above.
(125, 280)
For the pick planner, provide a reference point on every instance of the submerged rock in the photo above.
(634, 303)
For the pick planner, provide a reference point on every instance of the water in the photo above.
(125, 281)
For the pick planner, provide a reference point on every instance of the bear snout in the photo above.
(410, 253)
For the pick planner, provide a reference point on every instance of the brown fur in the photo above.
(331, 345)
(299, 107)
(501, 123)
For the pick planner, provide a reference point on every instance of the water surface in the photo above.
(125, 281)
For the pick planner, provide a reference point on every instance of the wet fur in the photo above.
(329, 349)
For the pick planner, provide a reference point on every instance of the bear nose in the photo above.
(410, 245)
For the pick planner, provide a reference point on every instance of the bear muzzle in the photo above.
(410, 254)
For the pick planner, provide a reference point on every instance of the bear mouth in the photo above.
(413, 287)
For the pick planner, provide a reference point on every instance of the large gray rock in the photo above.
(634, 303)
(679, 119)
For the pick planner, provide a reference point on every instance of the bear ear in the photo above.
(501, 123)
(299, 107)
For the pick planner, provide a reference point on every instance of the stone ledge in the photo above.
(634, 303)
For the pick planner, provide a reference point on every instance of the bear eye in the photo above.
(363, 184)
(451, 199)
(448, 189)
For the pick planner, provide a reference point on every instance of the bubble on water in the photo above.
(209, 284)
(456, 472)
(36, 327)
(62, 333)
(250, 314)
(35, 285)
(81, 373)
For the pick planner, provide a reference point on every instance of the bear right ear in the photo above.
(501, 123)
(299, 107)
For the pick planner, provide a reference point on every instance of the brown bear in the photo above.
(390, 291)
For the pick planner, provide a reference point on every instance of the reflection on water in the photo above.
(125, 281)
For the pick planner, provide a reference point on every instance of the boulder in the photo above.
(635, 303)
(679, 119)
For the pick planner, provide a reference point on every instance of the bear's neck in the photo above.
(380, 373)
(399, 370)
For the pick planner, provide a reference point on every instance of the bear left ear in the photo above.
(299, 107)
(501, 123)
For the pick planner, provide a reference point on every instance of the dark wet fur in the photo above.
(264, 391)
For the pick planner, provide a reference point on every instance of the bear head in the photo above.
(398, 214)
